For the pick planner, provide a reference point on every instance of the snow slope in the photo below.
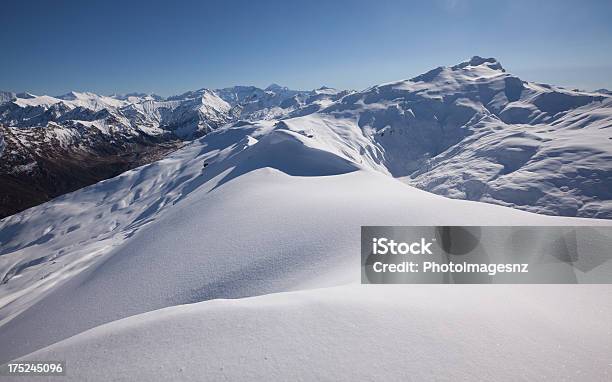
(357, 333)
(246, 210)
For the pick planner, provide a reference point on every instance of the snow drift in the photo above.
(436, 332)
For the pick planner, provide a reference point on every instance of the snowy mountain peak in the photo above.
(490, 63)
(71, 96)
(25, 95)
(136, 97)
(276, 87)
(190, 94)
(476, 67)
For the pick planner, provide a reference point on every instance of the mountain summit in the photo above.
(490, 63)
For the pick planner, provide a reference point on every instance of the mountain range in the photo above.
(470, 131)
(53, 145)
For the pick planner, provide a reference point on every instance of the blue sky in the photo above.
(168, 47)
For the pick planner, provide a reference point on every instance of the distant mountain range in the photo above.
(53, 145)
(470, 131)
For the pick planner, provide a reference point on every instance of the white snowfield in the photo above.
(238, 257)
(357, 333)
(265, 208)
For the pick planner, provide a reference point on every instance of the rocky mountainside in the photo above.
(40, 163)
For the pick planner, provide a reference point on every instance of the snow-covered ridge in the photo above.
(354, 333)
(230, 215)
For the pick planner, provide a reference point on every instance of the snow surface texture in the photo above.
(249, 210)
(359, 333)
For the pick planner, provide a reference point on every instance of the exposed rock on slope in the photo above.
(41, 163)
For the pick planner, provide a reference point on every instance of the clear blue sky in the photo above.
(168, 47)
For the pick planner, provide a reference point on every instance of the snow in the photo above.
(36, 101)
(250, 210)
(28, 167)
(417, 332)
(188, 116)
(91, 101)
(237, 256)
(455, 130)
